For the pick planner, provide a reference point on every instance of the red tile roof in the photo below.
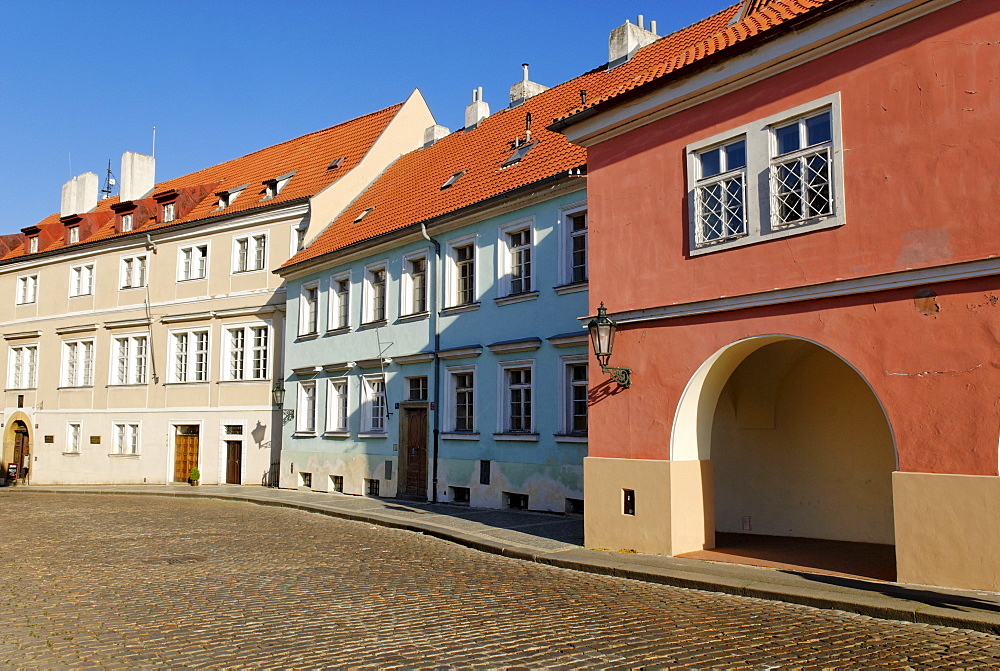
(308, 155)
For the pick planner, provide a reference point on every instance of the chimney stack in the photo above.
(138, 176)
(434, 133)
(525, 88)
(627, 39)
(477, 110)
(79, 195)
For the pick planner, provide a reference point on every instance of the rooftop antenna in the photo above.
(153, 154)
(109, 181)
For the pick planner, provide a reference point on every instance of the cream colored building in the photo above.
(142, 333)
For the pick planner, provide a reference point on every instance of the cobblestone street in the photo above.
(125, 581)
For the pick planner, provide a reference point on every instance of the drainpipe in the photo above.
(435, 299)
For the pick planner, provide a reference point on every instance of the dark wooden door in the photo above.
(185, 456)
(416, 451)
(234, 459)
(20, 447)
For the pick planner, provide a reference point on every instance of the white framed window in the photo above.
(798, 151)
(305, 411)
(169, 212)
(126, 223)
(78, 363)
(574, 396)
(132, 272)
(247, 352)
(74, 235)
(336, 405)
(33, 245)
(74, 437)
(126, 438)
(340, 301)
(374, 410)
(297, 240)
(130, 356)
(227, 198)
(22, 369)
(516, 409)
(376, 280)
(461, 260)
(460, 401)
(27, 289)
(413, 289)
(515, 252)
(272, 187)
(250, 253)
(574, 223)
(189, 356)
(309, 309)
(81, 280)
(192, 262)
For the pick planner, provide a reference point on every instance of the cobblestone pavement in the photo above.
(124, 581)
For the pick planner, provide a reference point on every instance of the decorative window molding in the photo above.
(247, 351)
(460, 400)
(574, 225)
(798, 156)
(339, 316)
(77, 363)
(126, 438)
(309, 308)
(27, 289)
(250, 252)
(130, 356)
(461, 261)
(81, 280)
(132, 271)
(515, 257)
(22, 367)
(192, 262)
(375, 292)
(305, 411)
(413, 287)
(74, 437)
(516, 407)
(374, 411)
(189, 356)
(337, 400)
(573, 396)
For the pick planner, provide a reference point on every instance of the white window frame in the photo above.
(255, 258)
(335, 302)
(81, 279)
(197, 267)
(128, 277)
(452, 270)
(505, 394)
(189, 365)
(27, 289)
(169, 212)
(566, 241)
(759, 205)
(74, 437)
(78, 358)
(305, 408)
(22, 366)
(33, 245)
(338, 408)
(247, 363)
(309, 318)
(506, 257)
(294, 240)
(407, 305)
(126, 225)
(451, 401)
(136, 360)
(74, 235)
(567, 386)
(374, 400)
(369, 293)
(126, 437)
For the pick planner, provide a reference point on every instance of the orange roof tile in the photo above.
(309, 156)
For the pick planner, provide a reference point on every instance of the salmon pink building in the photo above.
(793, 222)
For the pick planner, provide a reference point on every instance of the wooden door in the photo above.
(234, 461)
(416, 451)
(185, 456)
(20, 447)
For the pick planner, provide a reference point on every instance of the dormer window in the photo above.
(33, 245)
(363, 215)
(169, 212)
(74, 235)
(126, 223)
(272, 187)
(451, 180)
(227, 198)
(519, 154)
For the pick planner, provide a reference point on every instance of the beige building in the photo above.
(142, 333)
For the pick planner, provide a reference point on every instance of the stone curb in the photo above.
(885, 607)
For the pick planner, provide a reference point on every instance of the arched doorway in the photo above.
(16, 447)
(800, 448)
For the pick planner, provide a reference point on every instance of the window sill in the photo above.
(339, 330)
(249, 271)
(373, 434)
(303, 434)
(71, 454)
(308, 336)
(456, 309)
(246, 381)
(131, 288)
(337, 434)
(82, 296)
(522, 437)
(570, 438)
(754, 237)
(372, 325)
(132, 385)
(189, 279)
(571, 288)
(74, 387)
(118, 455)
(203, 383)
(412, 317)
(21, 305)
(471, 435)
(516, 298)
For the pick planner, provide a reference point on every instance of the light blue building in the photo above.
(433, 346)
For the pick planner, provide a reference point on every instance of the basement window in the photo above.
(460, 495)
(515, 501)
(451, 180)
(371, 487)
(519, 154)
(337, 483)
(574, 506)
(305, 480)
(363, 215)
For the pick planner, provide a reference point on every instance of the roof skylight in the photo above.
(363, 215)
(519, 154)
(451, 180)
(335, 163)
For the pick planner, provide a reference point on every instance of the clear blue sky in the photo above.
(81, 82)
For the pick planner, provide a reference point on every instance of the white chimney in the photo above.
(79, 194)
(524, 89)
(434, 133)
(627, 39)
(138, 176)
(477, 110)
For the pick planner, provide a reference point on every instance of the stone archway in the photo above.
(17, 441)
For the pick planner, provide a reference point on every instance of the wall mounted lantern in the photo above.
(278, 399)
(602, 335)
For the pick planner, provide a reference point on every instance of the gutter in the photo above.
(436, 406)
